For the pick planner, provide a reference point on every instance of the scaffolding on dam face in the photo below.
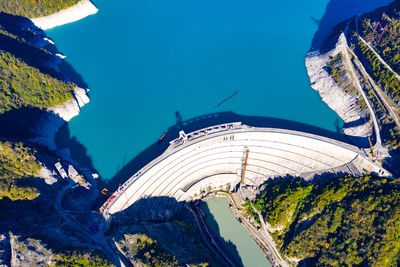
(246, 157)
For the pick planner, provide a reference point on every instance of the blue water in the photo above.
(221, 221)
(146, 60)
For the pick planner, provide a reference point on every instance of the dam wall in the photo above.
(213, 158)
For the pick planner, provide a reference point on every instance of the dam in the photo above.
(223, 156)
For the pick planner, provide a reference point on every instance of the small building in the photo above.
(77, 178)
(72, 173)
(60, 170)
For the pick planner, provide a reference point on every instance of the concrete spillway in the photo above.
(213, 158)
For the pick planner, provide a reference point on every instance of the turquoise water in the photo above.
(218, 211)
(146, 60)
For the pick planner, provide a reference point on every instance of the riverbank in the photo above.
(77, 12)
(260, 235)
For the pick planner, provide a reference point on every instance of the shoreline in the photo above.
(268, 247)
(77, 12)
(343, 104)
(55, 117)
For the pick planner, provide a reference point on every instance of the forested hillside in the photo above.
(22, 84)
(34, 8)
(344, 221)
(16, 164)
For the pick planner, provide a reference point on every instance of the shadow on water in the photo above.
(338, 11)
(42, 58)
(200, 122)
(162, 209)
(227, 245)
(78, 150)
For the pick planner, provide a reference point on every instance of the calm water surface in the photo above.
(218, 210)
(146, 60)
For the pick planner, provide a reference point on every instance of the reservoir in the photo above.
(218, 214)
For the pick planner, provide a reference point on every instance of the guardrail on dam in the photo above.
(213, 158)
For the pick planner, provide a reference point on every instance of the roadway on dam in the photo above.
(212, 158)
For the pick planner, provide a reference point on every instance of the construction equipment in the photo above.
(390, 37)
(398, 41)
(246, 157)
(106, 192)
(373, 32)
(383, 32)
(372, 149)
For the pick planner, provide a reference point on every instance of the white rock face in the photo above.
(335, 96)
(71, 108)
(49, 176)
(79, 11)
(58, 115)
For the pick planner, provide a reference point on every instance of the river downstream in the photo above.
(221, 221)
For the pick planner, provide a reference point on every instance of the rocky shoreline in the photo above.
(77, 12)
(336, 97)
(55, 117)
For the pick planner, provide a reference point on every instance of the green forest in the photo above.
(150, 253)
(17, 163)
(386, 37)
(386, 42)
(24, 86)
(386, 79)
(34, 8)
(344, 221)
(81, 259)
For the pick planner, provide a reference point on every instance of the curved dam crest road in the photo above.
(212, 158)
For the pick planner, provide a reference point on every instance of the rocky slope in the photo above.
(344, 104)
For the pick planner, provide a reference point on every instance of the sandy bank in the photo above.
(79, 11)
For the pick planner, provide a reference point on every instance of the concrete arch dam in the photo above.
(212, 158)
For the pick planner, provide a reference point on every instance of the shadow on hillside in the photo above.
(19, 124)
(157, 210)
(31, 218)
(42, 58)
(338, 11)
(392, 163)
(200, 122)
(77, 149)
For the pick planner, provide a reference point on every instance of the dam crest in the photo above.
(223, 156)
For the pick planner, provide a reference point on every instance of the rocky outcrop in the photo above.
(29, 252)
(356, 128)
(51, 121)
(79, 11)
(71, 108)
